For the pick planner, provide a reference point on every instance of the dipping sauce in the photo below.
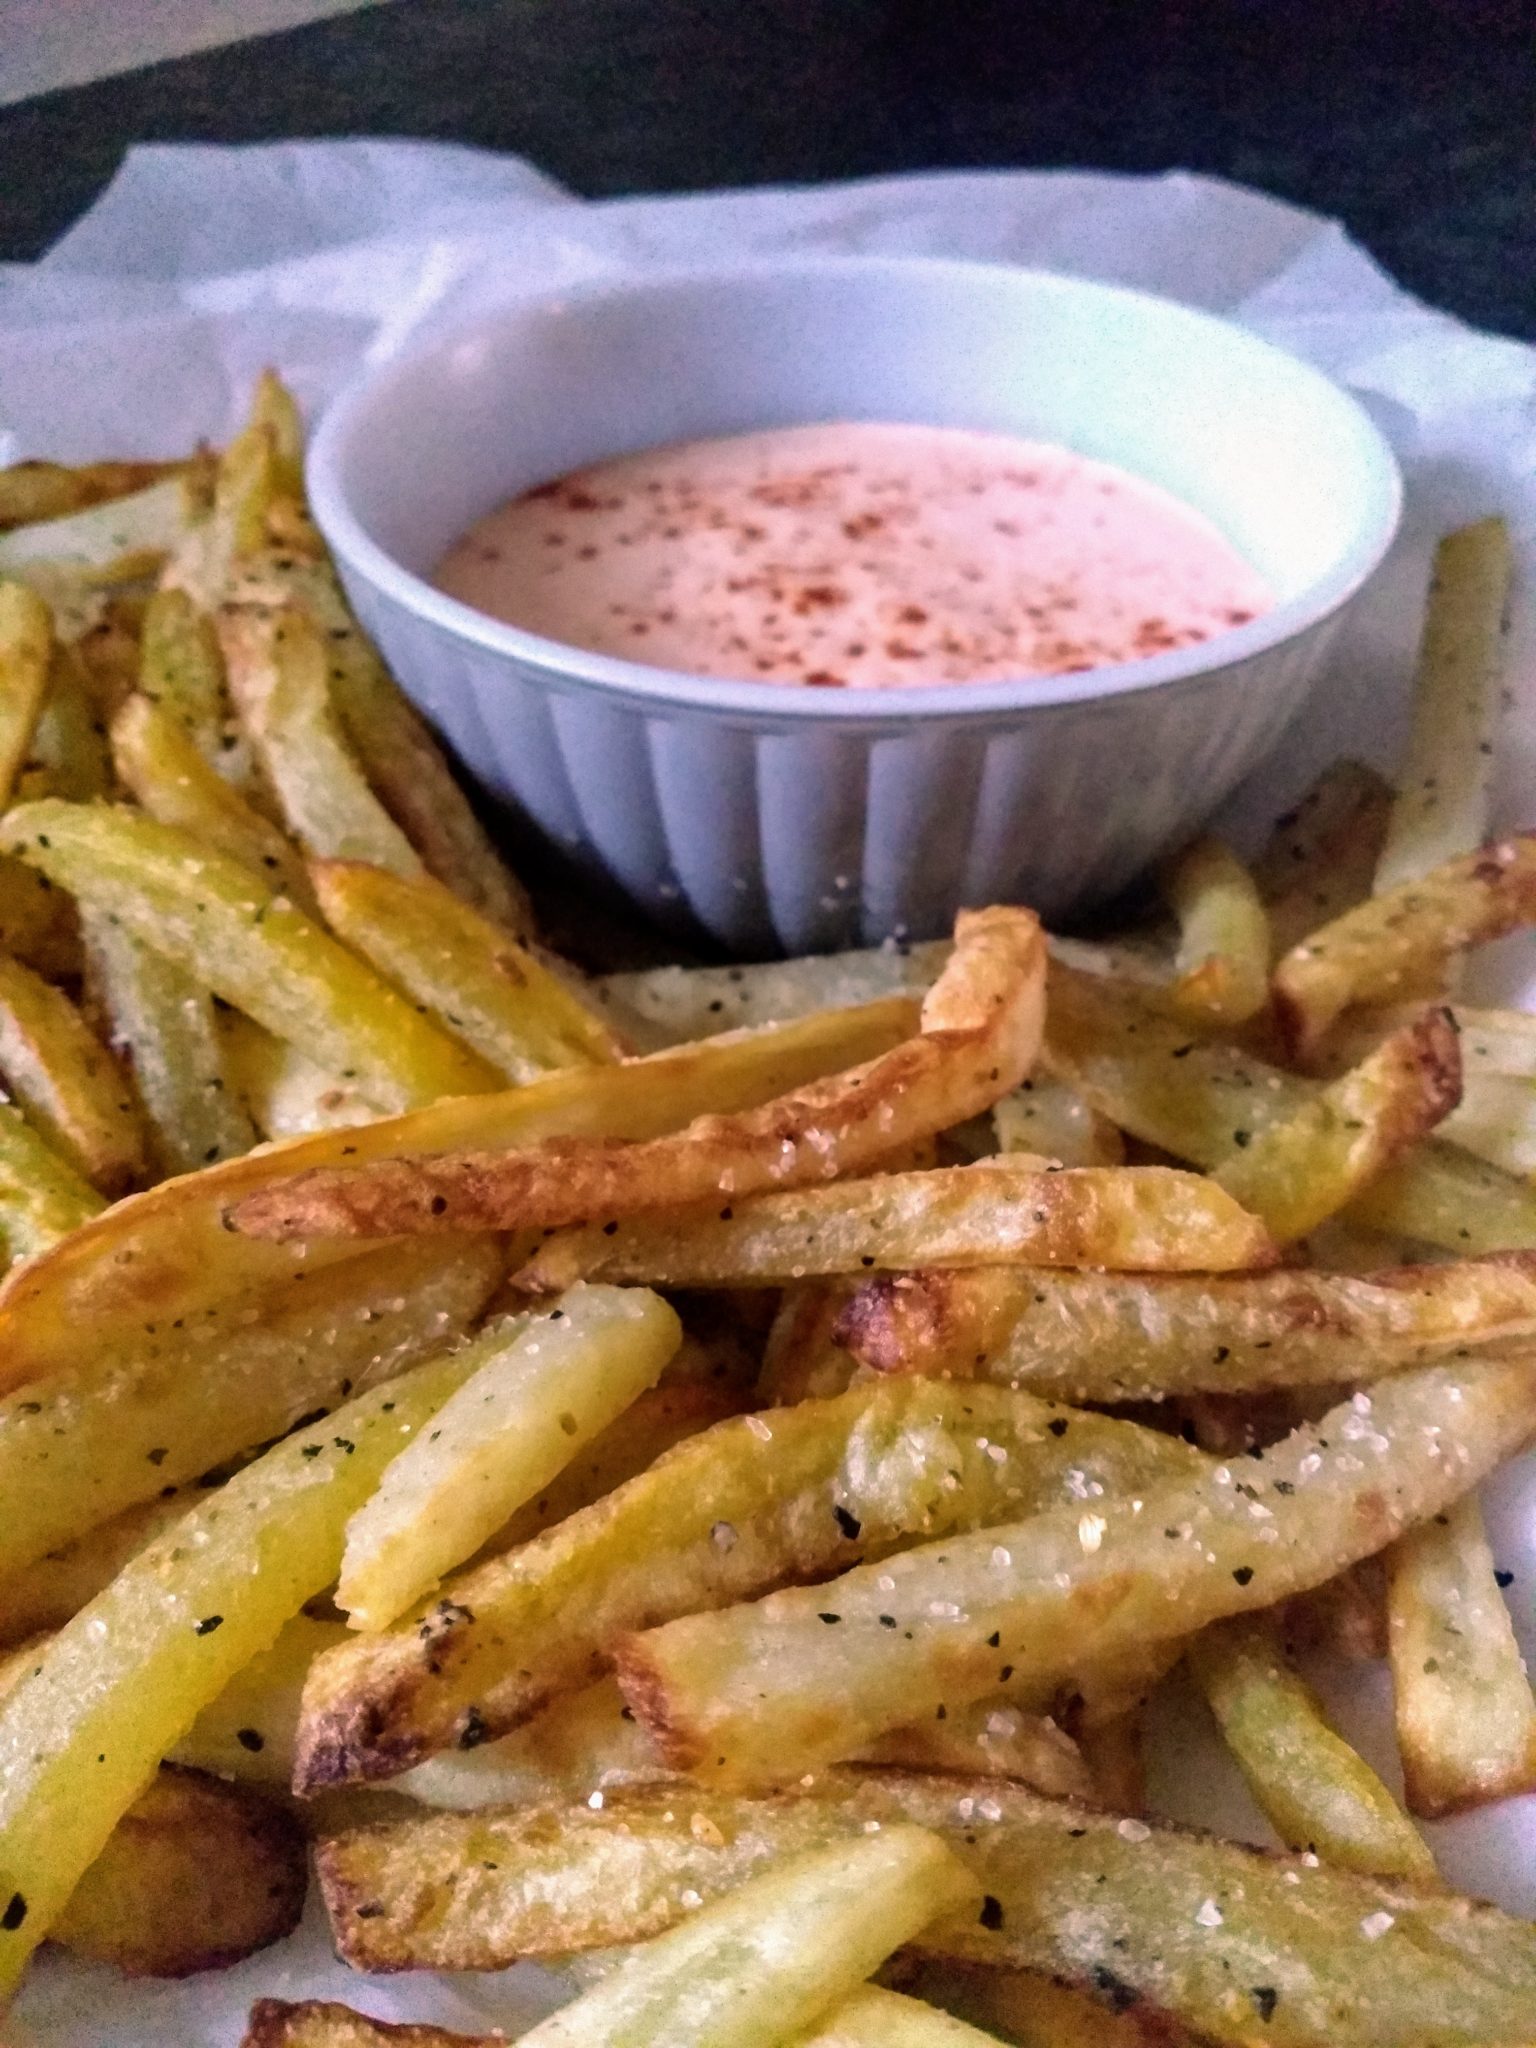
(860, 555)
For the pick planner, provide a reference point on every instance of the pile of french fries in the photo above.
(693, 1474)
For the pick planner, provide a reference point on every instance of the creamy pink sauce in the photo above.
(857, 554)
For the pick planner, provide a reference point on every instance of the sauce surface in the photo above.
(857, 554)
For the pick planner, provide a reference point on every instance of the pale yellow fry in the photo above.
(761, 1693)
(1222, 965)
(68, 1082)
(541, 1388)
(759, 1965)
(43, 1199)
(128, 535)
(116, 1688)
(33, 491)
(246, 486)
(671, 1005)
(1466, 1720)
(1299, 1172)
(472, 975)
(26, 648)
(274, 407)
(181, 673)
(1441, 808)
(228, 927)
(162, 1022)
(1315, 1791)
(287, 1095)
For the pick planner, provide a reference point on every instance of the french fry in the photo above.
(764, 1691)
(1138, 1218)
(1398, 940)
(764, 1963)
(167, 1253)
(1314, 1790)
(1466, 1721)
(1301, 1955)
(1200, 1101)
(35, 491)
(1496, 1121)
(671, 1005)
(163, 766)
(162, 1022)
(82, 1735)
(26, 649)
(181, 673)
(317, 2023)
(40, 1599)
(1441, 809)
(1045, 1116)
(1297, 1173)
(124, 536)
(285, 1094)
(43, 1199)
(68, 1083)
(196, 1875)
(541, 1388)
(68, 757)
(248, 1732)
(116, 1427)
(474, 977)
(1222, 965)
(226, 925)
(749, 1504)
(1113, 1337)
(277, 667)
(980, 1030)
(1321, 858)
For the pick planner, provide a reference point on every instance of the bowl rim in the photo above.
(563, 666)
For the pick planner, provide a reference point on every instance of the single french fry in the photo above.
(1441, 809)
(162, 1022)
(756, 1502)
(82, 1735)
(43, 1198)
(1302, 1955)
(1222, 965)
(163, 766)
(1314, 1790)
(181, 673)
(1109, 1337)
(227, 926)
(68, 1082)
(474, 977)
(542, 1387)
(246, 485)
(980, 1030)
(1298, 1173)
(117, 1426)
(1138, 1218)
(196, 1875)
(34, 491)
(1466, 1719)
(167, 1253)
(1321, 858)
(760, 1693)
(26, 650)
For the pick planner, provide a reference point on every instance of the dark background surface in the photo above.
(1411, 119)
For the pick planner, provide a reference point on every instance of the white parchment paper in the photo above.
(143, 328)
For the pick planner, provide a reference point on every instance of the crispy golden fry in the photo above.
(34, 491)
(112, 1430)
(248, 1732)
(42, 1597)
(1135, 1218)
(542, 1387)
(765, 1691)
(1045, 1116)
(1302, 1956)
(226, 925)
(398, 752)
(1466, 1720)
(752, 1503)
(164, 768)
(68, 1082)
(671, 1005)
(1441, 808)
(1314, 1790)
(1115, 1337)
(764, 1963)
(1398, 939)
(1297, 1173)
(162, 1022)
(181, 673)
(276, 664)
(803, 1359)
(81, 1736)
(196, 1875)
(286, 1095)
(474, 977)
(43, 1199)
(1222, 965)
(981, 1025)
(26, 651)
(167, 1253)
(1321, 859)
(1199, 1101)
(314, 2023)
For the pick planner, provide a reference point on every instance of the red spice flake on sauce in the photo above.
(858, 555)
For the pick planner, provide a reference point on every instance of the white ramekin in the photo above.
(813, 818)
